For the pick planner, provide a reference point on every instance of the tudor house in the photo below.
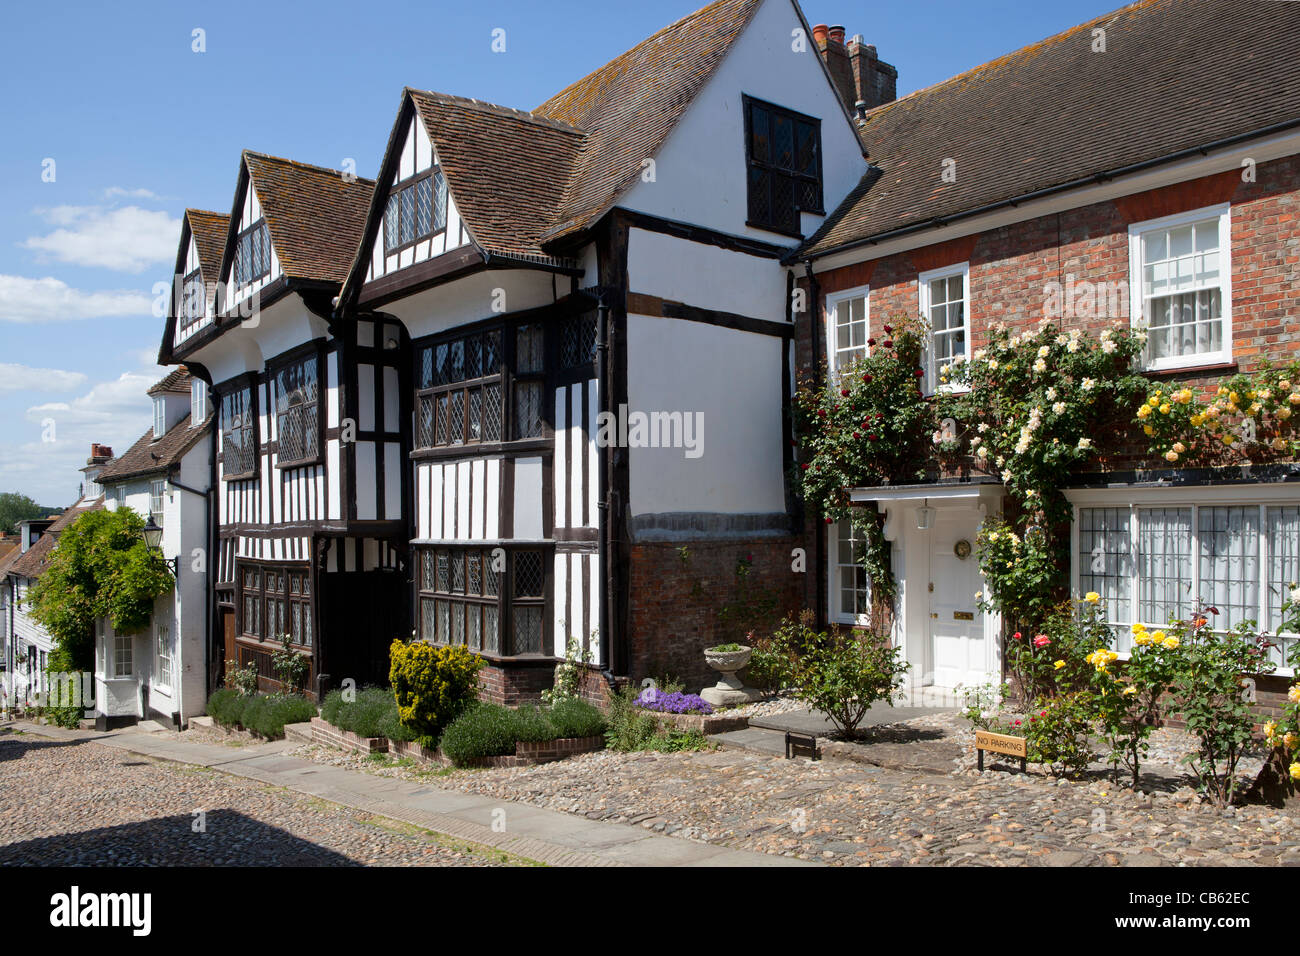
(611, 257)
(1129, 167)
(161, 672)
(308, 529)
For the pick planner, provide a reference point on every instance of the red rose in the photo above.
(889, 343)
(920, 373)
(1015, 636)
(821, 412)
(871, 437)
(805, 466)
(844, 392)
(871, 341)
(866, 379)
(856, 435)
(830, 520)
(888, 329)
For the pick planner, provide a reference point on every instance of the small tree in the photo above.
(101, 567)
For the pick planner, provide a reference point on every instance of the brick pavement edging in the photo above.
(527, 753)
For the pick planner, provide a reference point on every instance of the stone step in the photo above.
(202, 721)
(299, 732)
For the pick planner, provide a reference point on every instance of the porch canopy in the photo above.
(984, 493)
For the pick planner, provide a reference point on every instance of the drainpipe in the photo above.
(607, 512)
(814, 307)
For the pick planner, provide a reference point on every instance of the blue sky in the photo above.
(140, 126)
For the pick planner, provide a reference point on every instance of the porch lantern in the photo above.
(153, 533)
(925, 517)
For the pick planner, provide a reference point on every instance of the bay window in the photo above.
(1180, 285)
(488, 600)
(1152, 563)
(459, 397)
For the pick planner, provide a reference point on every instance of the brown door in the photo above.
(228, 629)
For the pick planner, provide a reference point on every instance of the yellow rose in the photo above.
(1092, 597)
(1294, 398)
(1148, 429)
(1164, 409)
(1144, 411)
(1171, 456)
(1229, 438)
(1158, 636)
(1130, 690)
(1171, 642)
(1179, 447)
(1295, 771)
(1284, 385)
(1290, 741)
(1059, 664)
(1293, 694)
(1234, 397)
(1154, 400)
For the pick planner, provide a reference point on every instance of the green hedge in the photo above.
(262, 714)
(490, 730)
(372, 714)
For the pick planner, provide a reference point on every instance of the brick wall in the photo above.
(512, 684)
(677, 604)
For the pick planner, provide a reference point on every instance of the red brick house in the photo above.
(1120, 157)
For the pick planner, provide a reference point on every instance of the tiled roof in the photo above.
(1175, 75)
(177, 380)
(209, 231)
(490, 154)
(148, 456)
(314, 214)
(628, 107)
(31, 564)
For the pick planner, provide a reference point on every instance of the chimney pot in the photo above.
(836, 34)
(819, 32)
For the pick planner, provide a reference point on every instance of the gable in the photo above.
(416, 159)
(700, 172)
(245, 223)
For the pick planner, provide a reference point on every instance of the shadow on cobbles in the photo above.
(14, 746)
(227, 838)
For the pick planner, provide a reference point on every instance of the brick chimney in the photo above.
(863, 80)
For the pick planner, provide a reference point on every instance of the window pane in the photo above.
(392, 223)
(423, 207)
(1106, 564)
(528, 410)
(528, 629)
(1164, 564)
(1229, 555)
(759, 143)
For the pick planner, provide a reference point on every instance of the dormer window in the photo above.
(417, 209)
(253, 254)
(198, 401)
(159, 417)
(192, 303)
(784, 154)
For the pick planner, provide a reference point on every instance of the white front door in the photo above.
(958, 645)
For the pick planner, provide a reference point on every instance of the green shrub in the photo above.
(241, 679)
(532, 725)
(630, 728)
(226, 706)
(484, 730)
(1057, 730)
(372, 713)
(772, 665)
(842, 676)
(574, 717)
(264, 714)
(432, 685)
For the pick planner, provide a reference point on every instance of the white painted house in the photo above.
(165, 477)
(614, 252)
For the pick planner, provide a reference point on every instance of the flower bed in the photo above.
(527, 752)
(323, 732)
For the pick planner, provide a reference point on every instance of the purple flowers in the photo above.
(675, 703)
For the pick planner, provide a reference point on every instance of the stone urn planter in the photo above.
(729, 691)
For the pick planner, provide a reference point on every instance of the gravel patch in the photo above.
(77, 803)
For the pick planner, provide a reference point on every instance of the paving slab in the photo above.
(806, 721)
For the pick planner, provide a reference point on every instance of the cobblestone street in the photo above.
(78, 803)
(850, 814)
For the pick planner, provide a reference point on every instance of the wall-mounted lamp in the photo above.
(153, 540)
(925, 517)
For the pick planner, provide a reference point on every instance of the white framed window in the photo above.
(847, 316)
(159, 417)
(945, 305)
(162, 655)
(123, 665)
(198, 401)
(157, 495)
(1180, 286)
(850, 591)
(1158, 557)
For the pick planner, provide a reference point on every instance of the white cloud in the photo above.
(113, 192)
(53, 300)
(129, 239)
(16, 378)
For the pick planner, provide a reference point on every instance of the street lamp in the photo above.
(925, 516)
(153, 540)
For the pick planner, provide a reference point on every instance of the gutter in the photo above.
(1089, 180)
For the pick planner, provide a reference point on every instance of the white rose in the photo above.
(1084, 444)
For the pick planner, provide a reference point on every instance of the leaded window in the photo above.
(459, 397)
(783, 150)
(238, 432)
(462, 601)
(416, 210)
(253, 254)
(297, 411)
